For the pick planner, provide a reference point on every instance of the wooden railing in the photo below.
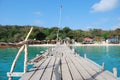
(25, 48)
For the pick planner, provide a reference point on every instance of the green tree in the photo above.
(40, 36)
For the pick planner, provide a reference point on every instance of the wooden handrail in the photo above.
(18, 54)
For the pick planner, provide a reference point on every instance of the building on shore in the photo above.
(88, 40)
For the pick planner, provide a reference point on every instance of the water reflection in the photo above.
(107, 51)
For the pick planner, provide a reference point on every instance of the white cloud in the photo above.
(104, 20)
(105, 5)
(38, 13)
(119, 18)
(115, 27)
(38, 22)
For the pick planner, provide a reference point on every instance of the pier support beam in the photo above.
(85, 56)
(103, 66)
(115, 72)
(25, 58)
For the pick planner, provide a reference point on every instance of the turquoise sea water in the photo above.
(110, 55)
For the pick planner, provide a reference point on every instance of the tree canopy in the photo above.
(15, 33)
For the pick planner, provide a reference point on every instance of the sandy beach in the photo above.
(95, 45)
(42, 45)
(52, 45)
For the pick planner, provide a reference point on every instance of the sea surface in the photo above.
(110, 55)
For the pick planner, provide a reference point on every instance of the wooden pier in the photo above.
(62, 63)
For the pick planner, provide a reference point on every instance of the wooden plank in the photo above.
(66, 67)
(40, 70)
(15, 74)
(27, 75)
(75, 74)
(107, 75)
(65, 71)
(38, 64)
(96, 67)
(45, 53)
(56, 70)
(100, 72)
(81, 69)
(48, 71)
(90, 69)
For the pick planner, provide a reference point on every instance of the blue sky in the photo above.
(76, 14)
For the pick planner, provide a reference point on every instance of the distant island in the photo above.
(16, 33)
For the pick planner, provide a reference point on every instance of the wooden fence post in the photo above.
(103, 66)
(115, 72)
(18, 54)
(85, 56)
(25, 58)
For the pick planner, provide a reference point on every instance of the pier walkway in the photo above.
(62, 63)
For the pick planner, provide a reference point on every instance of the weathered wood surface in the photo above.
(61, 63)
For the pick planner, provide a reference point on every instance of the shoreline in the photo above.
(53, 45)
(95, 44)
(42, 45)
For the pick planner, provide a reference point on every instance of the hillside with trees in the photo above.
(15, 33)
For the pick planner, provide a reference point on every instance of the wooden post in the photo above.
(73, 49)
(85, 56)
(10, 78)
(18, 54)
(103, 66)
(14, 62)
(115, 72)
(29, 34)
(25, 58)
